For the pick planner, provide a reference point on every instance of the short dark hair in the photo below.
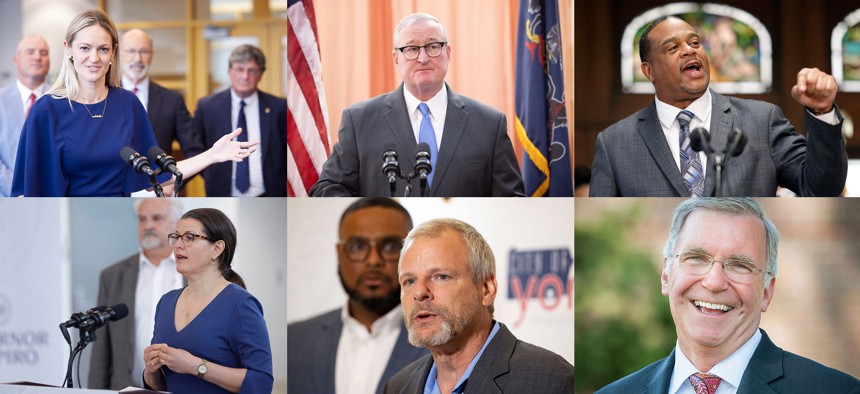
(244, 53)
(218, 227)
(369, 202)
(644, 42)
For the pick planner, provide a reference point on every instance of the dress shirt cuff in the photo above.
(827, 117)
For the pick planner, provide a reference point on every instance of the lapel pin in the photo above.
(267, 110)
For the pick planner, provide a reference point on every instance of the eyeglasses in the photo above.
(187, 238)
(357, 249)
(142, 52)
(736, 269)
(411, 52)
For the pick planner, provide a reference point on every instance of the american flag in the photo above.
(307, 113)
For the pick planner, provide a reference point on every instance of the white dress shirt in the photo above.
(142, 90)
(730, 370)
(255, 161)
(152, 283)
(25, 92)
(361, 355)
(438, 111)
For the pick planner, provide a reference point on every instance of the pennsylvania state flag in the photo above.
(541, 118)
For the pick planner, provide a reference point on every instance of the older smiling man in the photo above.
(719, 273)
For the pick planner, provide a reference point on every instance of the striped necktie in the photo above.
(691, 166)
(705, 383)
(428, 135)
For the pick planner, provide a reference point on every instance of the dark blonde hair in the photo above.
(66, 86)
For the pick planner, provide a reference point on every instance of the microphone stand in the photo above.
(85, 338)
(153, 181)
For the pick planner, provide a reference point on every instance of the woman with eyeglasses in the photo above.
(71, 141)
(210, 336)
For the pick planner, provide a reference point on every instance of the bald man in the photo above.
(166, 109)
(32, 60)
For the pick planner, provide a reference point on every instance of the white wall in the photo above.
(507, 224)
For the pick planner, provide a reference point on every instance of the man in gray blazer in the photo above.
(357, 348)
(470, 151)
(138, 281)
(32, 60)
(642, 155)
(448, 275)
(717, 307)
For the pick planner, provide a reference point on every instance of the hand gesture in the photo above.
(226, 149)
(815, 89)
(180, 361)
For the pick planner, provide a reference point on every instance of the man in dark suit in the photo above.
(165, 108)
(719, 273)
(261, 116)
(138, 281)
(356, 349)
(448, 275)
(650, 153)
(470, 151)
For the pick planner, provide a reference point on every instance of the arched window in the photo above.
(738, 46)
(845, 53)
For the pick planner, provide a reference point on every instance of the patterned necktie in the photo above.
(428, 135)
(705, 383)
(691, 167)
(30, 101)
(243, 174)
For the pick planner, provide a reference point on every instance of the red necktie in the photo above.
(134, 90)
(705, 383)
(30, 101)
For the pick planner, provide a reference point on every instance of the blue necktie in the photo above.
(691, 167)
(428, 135)
(243, 174)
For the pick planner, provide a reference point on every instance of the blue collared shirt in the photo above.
(432, 388)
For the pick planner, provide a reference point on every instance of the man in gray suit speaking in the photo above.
(720, 269)
(357, 348)
(650, 153)
(470, 152)
(448, 275)
(139, 282)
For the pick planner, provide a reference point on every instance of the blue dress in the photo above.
(68, 153)
(230, 331)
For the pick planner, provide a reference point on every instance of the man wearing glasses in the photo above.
(470, 152)
(165, 108)
(357, 348)
(720, 269)
(139, 282)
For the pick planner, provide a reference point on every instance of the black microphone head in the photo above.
(389, 148)
(120, 311)
(128, 154)
(422, 148)
(740, 144)
(155, 151)
(700, 140)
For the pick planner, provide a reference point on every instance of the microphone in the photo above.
(165, 161)
(700, 140)
(736, 143)
(390, 167)
(136, 161)
(96, 317)
(422, 161)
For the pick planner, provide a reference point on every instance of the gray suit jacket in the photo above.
(11, 122)
(312, 354)
(508, 365)
(476, 157)
(771, 370)
(632, 157)
(113, 351)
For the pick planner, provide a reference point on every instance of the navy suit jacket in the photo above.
(170, 120)
(632, 157)
(770, 370)
(476, 158)
(507, 365)
(212, 121)
(312, 354)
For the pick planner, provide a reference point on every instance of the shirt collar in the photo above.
(437, 103)
(387, 322)
(730, 370)
(128, 85)
(24, 91)
(431, 387)
(250, 100)
(145, 261)
(667, 113)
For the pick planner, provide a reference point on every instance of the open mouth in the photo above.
(423, 317)
(711, 308)
(180, 257)
(692, 67)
